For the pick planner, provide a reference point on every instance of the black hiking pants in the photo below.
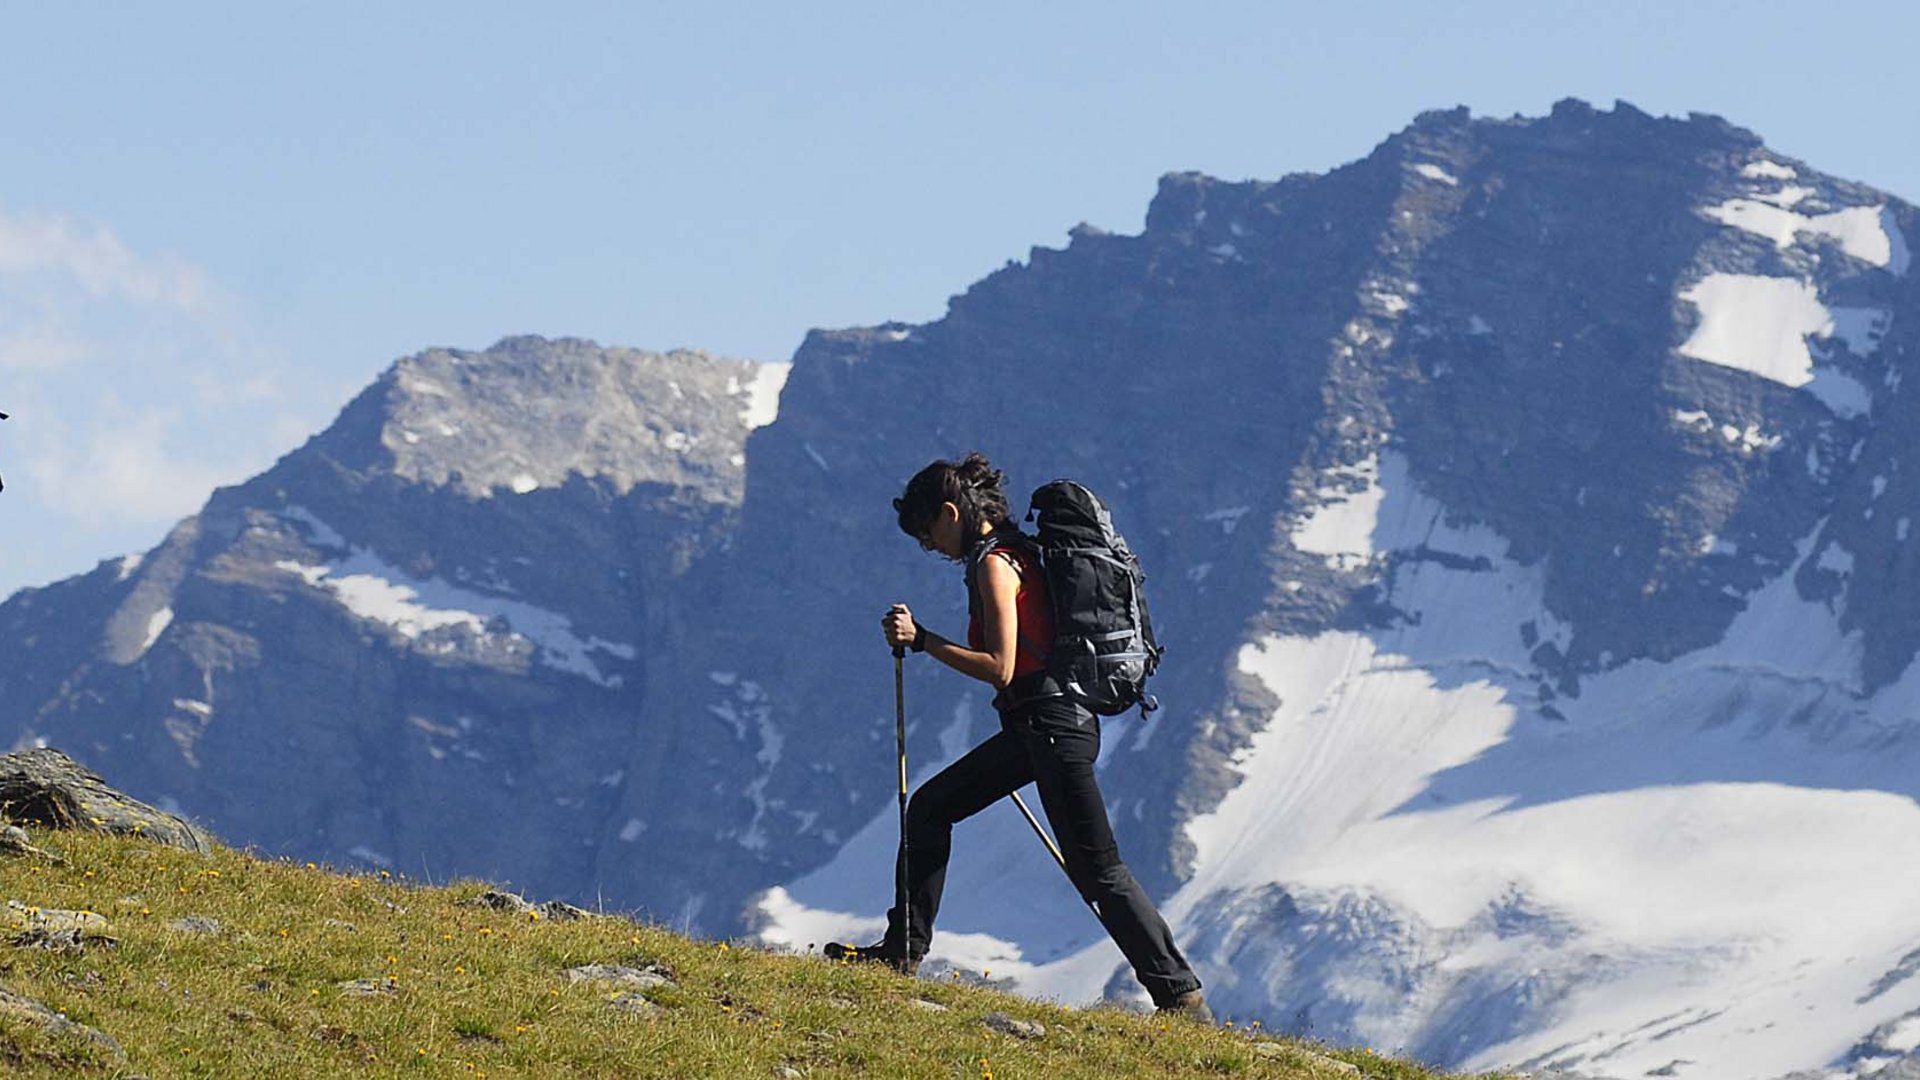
(1053, 743)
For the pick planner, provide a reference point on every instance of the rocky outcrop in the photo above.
(20, 1008)
(47, 788)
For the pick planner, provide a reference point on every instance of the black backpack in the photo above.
(1103, 645)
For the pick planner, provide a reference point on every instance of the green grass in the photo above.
(481, 993)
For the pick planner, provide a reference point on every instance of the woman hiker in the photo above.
(957, 510)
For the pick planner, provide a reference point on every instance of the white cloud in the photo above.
(123, 472)
(95, 258)
(136, 386)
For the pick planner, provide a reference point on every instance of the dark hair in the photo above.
(972, 484)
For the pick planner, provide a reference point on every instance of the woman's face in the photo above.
(942, 533)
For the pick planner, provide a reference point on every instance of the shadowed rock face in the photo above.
(571, 617)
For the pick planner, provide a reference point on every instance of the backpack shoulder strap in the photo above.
(987, 545)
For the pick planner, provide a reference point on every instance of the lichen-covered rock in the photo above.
(637, 1005)
(28, 926)
(520, 905)
(647, 978)
(15, 841)
(1300, 1055)
(17, 1007)
(1019, 1029)
(46, 787)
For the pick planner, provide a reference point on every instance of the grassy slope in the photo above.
(480, 992)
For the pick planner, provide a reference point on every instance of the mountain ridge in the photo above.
(1497, 428)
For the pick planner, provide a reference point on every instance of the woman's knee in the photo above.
(1098, 877)
(926, 812)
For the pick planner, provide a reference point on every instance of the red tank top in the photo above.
(1034, 633)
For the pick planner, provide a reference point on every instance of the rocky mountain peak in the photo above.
(530, 412)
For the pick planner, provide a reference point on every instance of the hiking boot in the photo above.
(880, 953)
(1191, 1005)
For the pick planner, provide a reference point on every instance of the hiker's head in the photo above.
(948, 503)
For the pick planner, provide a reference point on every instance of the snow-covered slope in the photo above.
(1707, 866)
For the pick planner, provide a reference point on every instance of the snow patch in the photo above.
(1341, 526)
(1867, 233)
(749, 714)
(763, 395)
(1436, 173)
(411, 607)
(414, 384)
(1836, 559)
(1761, 325)
(1768, 170)
(524, 483)
(128, 564)
(157, 624)
(1748, 439)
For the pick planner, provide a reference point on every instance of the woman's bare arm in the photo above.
(999, 624)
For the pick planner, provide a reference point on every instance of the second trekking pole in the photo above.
(900, 740)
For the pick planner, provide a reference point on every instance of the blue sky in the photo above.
(218, 221)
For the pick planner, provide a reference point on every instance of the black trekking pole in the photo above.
(1053, 849)
(900, 740)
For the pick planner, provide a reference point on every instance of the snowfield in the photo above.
(411, 607)
(1424, 855)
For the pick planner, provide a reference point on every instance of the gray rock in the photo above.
(56, 929)
(370, 987)
(197, 924)
(637, 1005)
(646, 978)
(15, 841)
(47, 788)
(1292, 1054)
(1019, 1029)
(19, 1007)
(518, 905)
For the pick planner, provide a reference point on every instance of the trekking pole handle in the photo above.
(899, 651)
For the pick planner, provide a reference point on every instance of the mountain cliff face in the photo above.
(422, 639)
(1526, 512)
